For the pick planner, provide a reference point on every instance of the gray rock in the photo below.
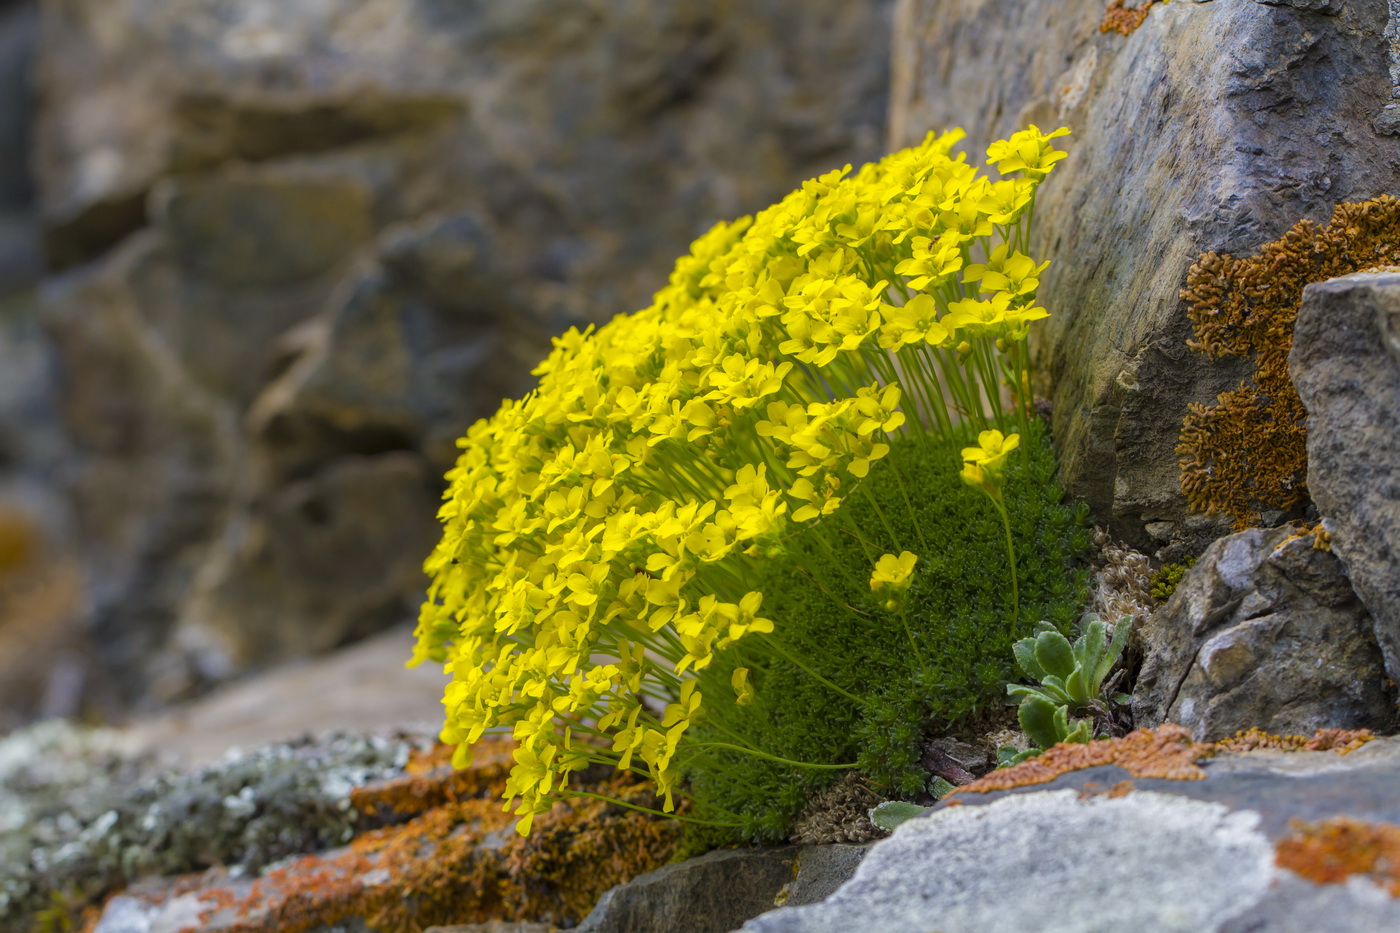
(1263, 631)
(710, 894)
(299, 237)
(494, 926)
(820, 871)
(1194, 856)
(1346, 364)
(1213, 126)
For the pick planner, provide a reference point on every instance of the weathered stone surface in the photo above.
(1213, 126)
(93, 819)
(1156, 855)
(1264, 631)
(711, 894)
(820, 871)
(1346, 364)
(303, 237)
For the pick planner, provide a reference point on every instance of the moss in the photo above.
(1332, 851)
(1168, 578)
(1248, 452)
(958, 610)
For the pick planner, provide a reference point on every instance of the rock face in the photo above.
(1264, 631)
(309, 244)
(20, 265)
(1346, 364)
(1204, 856)
(1211, 126)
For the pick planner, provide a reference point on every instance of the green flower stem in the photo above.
(781, 761)
(813, 674)
(632, 806)
(1011, 558)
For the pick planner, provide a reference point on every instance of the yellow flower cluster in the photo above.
(599, 534)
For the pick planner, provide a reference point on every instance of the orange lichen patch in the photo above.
(1321, 540)
(1123, 21)
(1334, 850)
(1249, 451)
(460, 862)
(1340, 741)
(431, 781)
(1164, 752)
(1121, 789)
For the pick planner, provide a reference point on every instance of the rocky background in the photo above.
(262, 263)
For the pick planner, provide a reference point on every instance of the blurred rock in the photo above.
(1346, 364)
(1212, 126)
(307, 245)
(1264, 631)
(21, 263)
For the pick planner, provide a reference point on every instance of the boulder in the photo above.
(1264, 631)
(1346, 364)
(1209, 127)
(1254, 845)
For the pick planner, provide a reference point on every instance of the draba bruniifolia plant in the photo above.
(604, 536)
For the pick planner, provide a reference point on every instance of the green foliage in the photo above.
(1166, 580)
(891, 813)
(952, 661)
(1071, 680)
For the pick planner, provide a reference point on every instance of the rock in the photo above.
(494, 926)
(118, 822)
(1212, 126)
(1264, 631)
(21, 262)
(713, 893)
(1346, 364)
(820, 871)
(1153, 854)
(299, 238)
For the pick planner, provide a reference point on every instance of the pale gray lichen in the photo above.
(243, 813)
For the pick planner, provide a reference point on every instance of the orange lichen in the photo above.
(1164, 752)
(1334, 850)
(456, 860)
(1124, 21)
(1248, 452)
(1340, 741)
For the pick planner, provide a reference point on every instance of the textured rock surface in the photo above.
(710, 894)
(1346, 365)
(92, 819)
(1213, 126)
(1264, 632)
(308, 244)
(1156, 855)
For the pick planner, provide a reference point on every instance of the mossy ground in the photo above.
(959, 614)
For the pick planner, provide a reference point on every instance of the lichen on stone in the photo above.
(1122, 19)
(1248, 452)
(243, 813)
(1334, 850)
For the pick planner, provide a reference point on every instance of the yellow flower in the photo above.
(743, 692)
(984, 466)
(1028, 151)
(892, 572)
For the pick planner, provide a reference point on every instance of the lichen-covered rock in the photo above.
(1096, 849)
(1264, 631)
(1208, 127)
(1346, 365)
(91, 825)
